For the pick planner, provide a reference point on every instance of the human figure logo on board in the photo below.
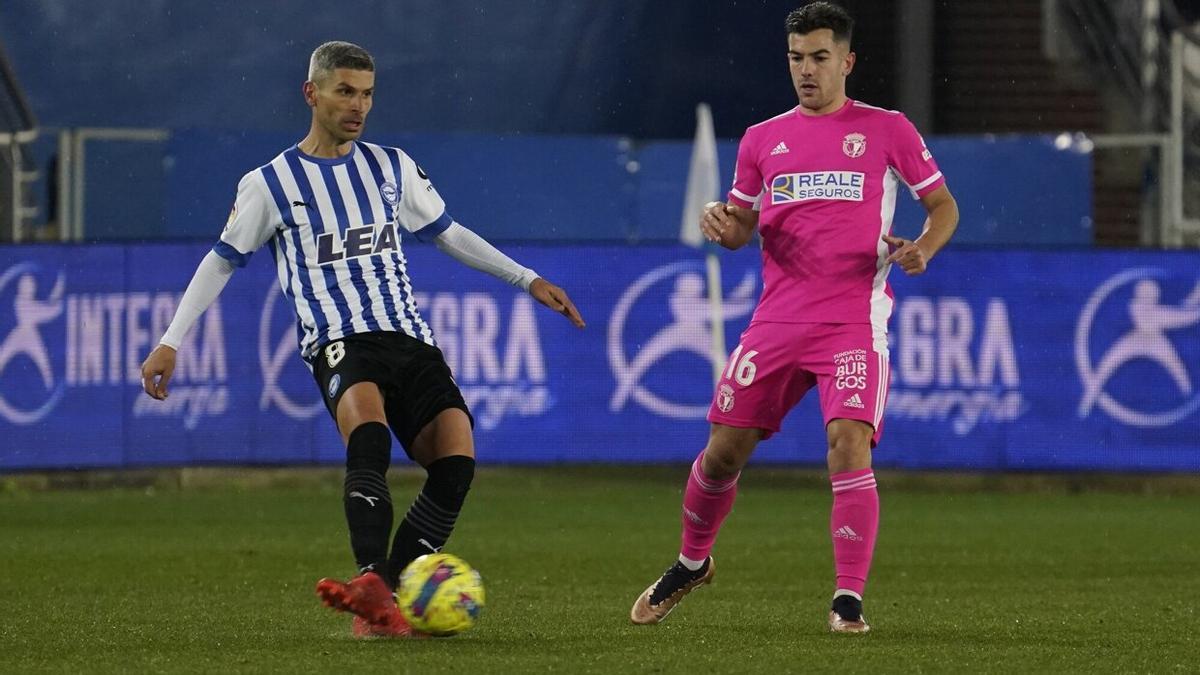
(25, 339)
(688, 331)
(1154, 336)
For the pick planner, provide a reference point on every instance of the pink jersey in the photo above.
(825, 188)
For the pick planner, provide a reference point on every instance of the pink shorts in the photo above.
(777, 363)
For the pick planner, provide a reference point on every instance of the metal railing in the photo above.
(1149, 66)
(14, 163)
(18, 127)
(1183, 227)
(72, 171)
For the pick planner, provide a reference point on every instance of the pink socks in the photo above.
(852, 524)
(706, 502)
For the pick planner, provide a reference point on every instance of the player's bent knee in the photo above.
(721, 464)
(369, 447)
(728, 450)
(849, 435)
(849, 443)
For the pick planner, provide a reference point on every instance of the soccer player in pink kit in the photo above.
(819, 183)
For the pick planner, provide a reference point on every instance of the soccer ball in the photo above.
(440, 594)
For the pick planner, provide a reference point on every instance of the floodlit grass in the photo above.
(220, 579)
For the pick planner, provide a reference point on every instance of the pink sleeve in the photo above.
(913, 161)
(747, 179)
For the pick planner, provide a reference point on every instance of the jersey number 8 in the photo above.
(334, 353)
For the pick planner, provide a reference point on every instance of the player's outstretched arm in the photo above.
(210, 278)
(729, 225)
(556, 299)
(157, 370)
(914, 256)
(473, 251)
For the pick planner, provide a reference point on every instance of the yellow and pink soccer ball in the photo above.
(440, 594)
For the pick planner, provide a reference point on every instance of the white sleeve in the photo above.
(211, 276)
(253, 220)
(473, 251)
(421, 209)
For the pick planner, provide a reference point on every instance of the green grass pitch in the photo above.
(220, 579)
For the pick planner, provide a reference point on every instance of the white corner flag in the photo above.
(703, 186)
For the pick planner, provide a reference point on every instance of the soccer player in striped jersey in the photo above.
(331, 209)
(819, 184)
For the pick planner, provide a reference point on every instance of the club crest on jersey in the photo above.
(854, 145)
(390, 193)
(356, 242)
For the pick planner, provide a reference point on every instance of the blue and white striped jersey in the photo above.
(332, 228)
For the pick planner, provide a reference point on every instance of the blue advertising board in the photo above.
(1001, 360)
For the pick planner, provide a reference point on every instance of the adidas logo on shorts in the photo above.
(854, 401)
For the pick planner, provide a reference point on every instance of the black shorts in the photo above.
(412, 376)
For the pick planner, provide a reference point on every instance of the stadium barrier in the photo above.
(1000, 360)
(1014, 190)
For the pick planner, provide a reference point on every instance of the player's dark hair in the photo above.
(818, 15)
(333, 55)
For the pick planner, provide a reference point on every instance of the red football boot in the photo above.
(366, 595)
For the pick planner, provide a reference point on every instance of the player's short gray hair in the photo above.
(332, 55)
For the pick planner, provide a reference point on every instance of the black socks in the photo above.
(368, 503)
(430, 519)
(365, 494)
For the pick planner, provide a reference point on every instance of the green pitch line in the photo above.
(220, 579)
